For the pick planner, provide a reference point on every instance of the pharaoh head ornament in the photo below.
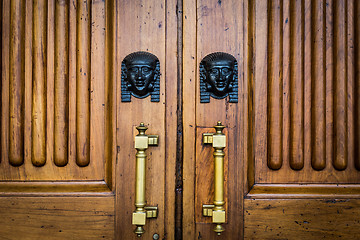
(218, 77)
(140, 76)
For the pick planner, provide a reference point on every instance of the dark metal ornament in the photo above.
(140, 76)
(218, 77)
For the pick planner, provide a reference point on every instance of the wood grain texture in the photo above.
(204, 183)
(83, 71)
(297, 84)
(1, 70)
(212, 26)
(61, 84)
(17, 83)
(46, 70)
(316, 74)
(340, 93)
(147, 32)
(22, 189)
(275, 83)
(311, 191)
(248, 95)
(55, 218)
(39, 79)
(305, 219)
(110, 94)
(318, 159)
(189, 122)
(357, 83)
(173, 71)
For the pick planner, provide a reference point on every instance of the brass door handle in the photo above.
(142, 142)
(217, 210)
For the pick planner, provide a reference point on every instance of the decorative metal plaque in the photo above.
(140, 76)
(218, 77)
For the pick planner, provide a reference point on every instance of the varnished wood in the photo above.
(319, 95)
(340, 99)
(17, 83)
(48, 65)
(147, 32)
(318, 159)
(204, 183)
(61, 83)
(286, 191)
(300, 218)
(210, 26)
(188, 81)
(275, 86)
(297, 84)
(83, 71)
(39, 79)
(357, 83)
(21, 189)
(57, 218)
(294, 132)
(110, 94)
(172, 69)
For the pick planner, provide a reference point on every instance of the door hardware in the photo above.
(218, 77)
(217, 210)
(142, 142)
(140, 76)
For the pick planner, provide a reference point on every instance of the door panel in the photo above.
(149, 26)
(57, 217)
(210, 26)
(302, 120)
(56, 127)
(67, 166)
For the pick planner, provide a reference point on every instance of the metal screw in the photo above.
(156, 236)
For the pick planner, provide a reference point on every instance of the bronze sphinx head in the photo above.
(140, 76)
(218, 77)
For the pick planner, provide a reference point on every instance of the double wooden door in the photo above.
(292, 160)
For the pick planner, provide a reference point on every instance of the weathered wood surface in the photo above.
(57, 218)
(301, 219)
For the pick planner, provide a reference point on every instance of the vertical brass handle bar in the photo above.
(142, 142)
(217, 210)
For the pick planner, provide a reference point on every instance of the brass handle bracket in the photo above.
(217, 210)
(142, 142)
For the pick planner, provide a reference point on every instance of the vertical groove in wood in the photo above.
(318, 159)
(357, 84)
(286, 82)
(250, 91)
(61, 83)
(1, 73)
(17, 82)
(110, 97)
(350, 83)
(275, 85)
(340, 87)
(83, 21)
(329, 144)
(297, 84)
(38, 153)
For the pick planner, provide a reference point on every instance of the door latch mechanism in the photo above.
(142, 142)
(217, 210)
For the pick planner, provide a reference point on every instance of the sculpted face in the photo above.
(140, 74)
(219, 74)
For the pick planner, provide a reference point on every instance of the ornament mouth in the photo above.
(140, 83)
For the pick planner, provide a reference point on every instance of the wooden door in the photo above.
(57, 121)
(291, 164)
(301, 161)
(67, 167)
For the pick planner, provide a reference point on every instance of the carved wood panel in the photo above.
(306, 91)
(55, 99)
